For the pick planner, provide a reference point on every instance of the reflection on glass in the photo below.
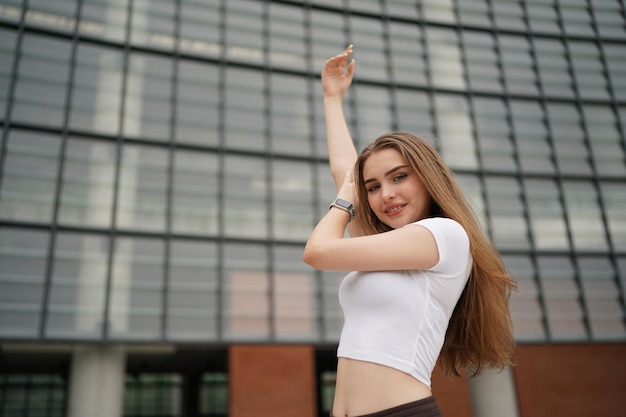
(509, 228)
(614, 199)
(245, 123)
(446, 68)
(147, 104)
(561, 295)
(246, 292)
(568, 139)
(197, 104)
(42, 79)
(455, 131)
(289, 115)
(195, 189)
(142, 188)
(97, 90)
(292, 198)
(192, 296)
(531, 136)
(546, 214)
(88, 176)
(496, 148)
(29, 176)
(294, 296)
(23, 256)
(136, 303)
(526, 311)
(587, 228)
(602, 298)
(245, 197)
(78, 285)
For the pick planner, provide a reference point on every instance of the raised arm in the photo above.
(337, 77)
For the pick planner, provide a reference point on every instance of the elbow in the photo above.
(312, 256)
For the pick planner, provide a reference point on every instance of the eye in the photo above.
(400, 177)
(373, 188)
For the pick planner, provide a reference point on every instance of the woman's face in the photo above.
(394, 192)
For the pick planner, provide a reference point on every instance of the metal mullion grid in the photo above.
(221, 180)
(353, 124)
(8, 111)
(269, 177)
(171, 151)
(558, 177)
(430, 88)
(480, 172)
(592, 162)
(116, 181)
(59, 183)
(391, 85)
(532, 254)
(314, 163)
(621, 131)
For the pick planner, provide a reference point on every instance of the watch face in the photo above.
(343, 203)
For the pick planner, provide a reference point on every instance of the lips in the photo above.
(394, 210)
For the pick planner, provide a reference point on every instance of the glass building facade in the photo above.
(162, 162)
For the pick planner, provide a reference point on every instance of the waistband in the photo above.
(426, 407)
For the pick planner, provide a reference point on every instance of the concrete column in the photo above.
(493, 394)
(97, 382)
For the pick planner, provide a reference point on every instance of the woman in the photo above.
(427, 287)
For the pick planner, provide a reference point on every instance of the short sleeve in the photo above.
(452, 245)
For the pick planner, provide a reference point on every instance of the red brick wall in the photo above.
(452, 395)
(272, 381)
(586, 380)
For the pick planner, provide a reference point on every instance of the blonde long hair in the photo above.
(480, 331)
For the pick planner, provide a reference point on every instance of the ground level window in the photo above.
(32, 395)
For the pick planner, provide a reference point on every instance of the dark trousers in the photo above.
(426, 407)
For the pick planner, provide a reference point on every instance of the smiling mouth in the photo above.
(395, 209)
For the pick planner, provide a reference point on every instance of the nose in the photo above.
(388, 193)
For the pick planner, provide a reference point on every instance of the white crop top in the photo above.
(399, 318)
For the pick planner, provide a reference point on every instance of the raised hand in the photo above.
(337, 74)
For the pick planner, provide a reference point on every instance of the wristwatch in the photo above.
(345, 206)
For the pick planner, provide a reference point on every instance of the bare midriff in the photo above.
(366, 387)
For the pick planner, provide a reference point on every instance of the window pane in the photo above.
(197, 104)
(147, 105)
(23, 255)
(286, 36)
(195, 190)
(455, 131)
(517, 65)
(7, 43)
(245, 109)
(494, 133)
(530, 132)
(246, 292)
(97, 90)
(481, 61)
(77, 289)
(42, 81)
(525, 306)
(568, 138)
(546, 214)
(142, 188)
(561, 295)
(602, 298)
(290, 115)
(193, 290)
(136, 304)
(29, 176)
(88, 177)
(369, 49)
(245, 197)
(406, 53)
(292, 197)
(584, 216)
(509, 228)
(294, 292)
(614, 199)
(445, 59)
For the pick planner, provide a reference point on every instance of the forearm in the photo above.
(330, 229)
(341, 151)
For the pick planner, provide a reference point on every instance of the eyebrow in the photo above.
(391, 171)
